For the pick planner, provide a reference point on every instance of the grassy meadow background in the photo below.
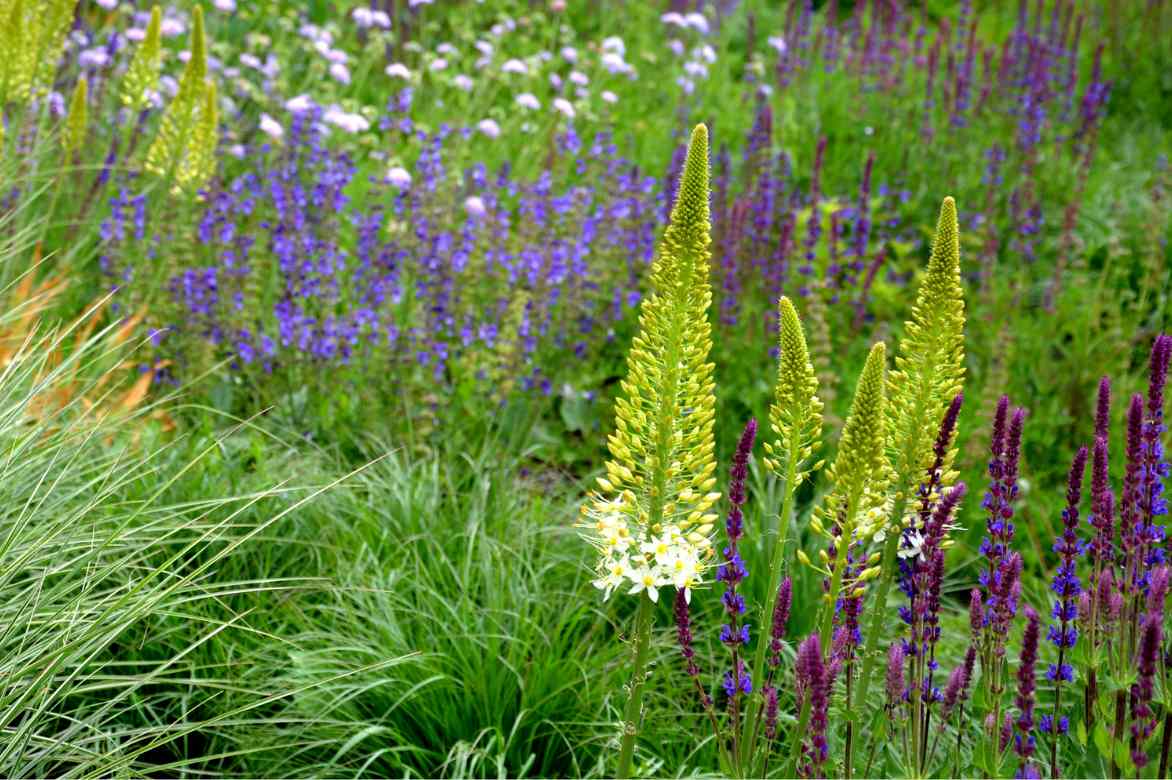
(291, 458)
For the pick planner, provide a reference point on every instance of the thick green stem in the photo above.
(632, 714)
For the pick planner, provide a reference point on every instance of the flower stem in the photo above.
(632, 714)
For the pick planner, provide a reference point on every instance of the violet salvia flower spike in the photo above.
(1024, 740)
(815, 684)
(735, 634)
(1063, 633)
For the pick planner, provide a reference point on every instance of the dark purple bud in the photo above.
(895, 683)
(1103, 409)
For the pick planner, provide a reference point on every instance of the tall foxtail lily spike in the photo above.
(75, 124)
(795, 424)
(181, 147)
(852, 511)
(143, 73)
(928, 374)
(651, 518)
(32, 36)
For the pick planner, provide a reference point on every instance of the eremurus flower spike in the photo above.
(858, 478)
(651, 518)
(928, 374)
(795, 422)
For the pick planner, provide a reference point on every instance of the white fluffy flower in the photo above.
(299, 104)
(463, 82)
(399, 177)
(563, 107)
(350, 122)
(474, 205)
(489, 127)
(271, 127)
(514, 66)
(340, 72)
(579, 78)
(398, 70)
(528, 100)
(609, 97)
(697, 22)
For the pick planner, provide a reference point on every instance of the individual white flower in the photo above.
(514, 66)
(646, 581)
(399, 177)
(579, 78)
(614, 572)
(439, 64)
(271, 127)
(397, 70)
(340, 73)
(569, 54)
(528, 100)
(333, 55)
(237, 151)
(489, 127)
(778, 43)
(299, 104)
(350, 122)
(474, 205)
(135, 34)
(381, 19)
(614, 63)
(609, 97)
(169, 85)
(676, 46)
(564, 107)
(614, 44)
(707, 53)
(697, 22)
(171, 27)
(363, 17)
(916, 549)
(463, 82)
(696, 70)
(417, 3)
(555, 81)
(673, 18)
(227, 6)
(250, 61)
(484, 47)
(686, 84)
(109, 5)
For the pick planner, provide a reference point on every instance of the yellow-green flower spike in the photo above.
(185, 117)
(143, 73)
(77, 121)
(929, 367)
(659, 479)
(858, 477)
(56, 19)
(199, 158)
(795, 417)
(18, 35)
(860, 472)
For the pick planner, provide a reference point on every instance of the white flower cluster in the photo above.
(641, 560)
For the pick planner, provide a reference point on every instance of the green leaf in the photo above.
(1080, 732)
(1123, 757)
(1102, 739)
